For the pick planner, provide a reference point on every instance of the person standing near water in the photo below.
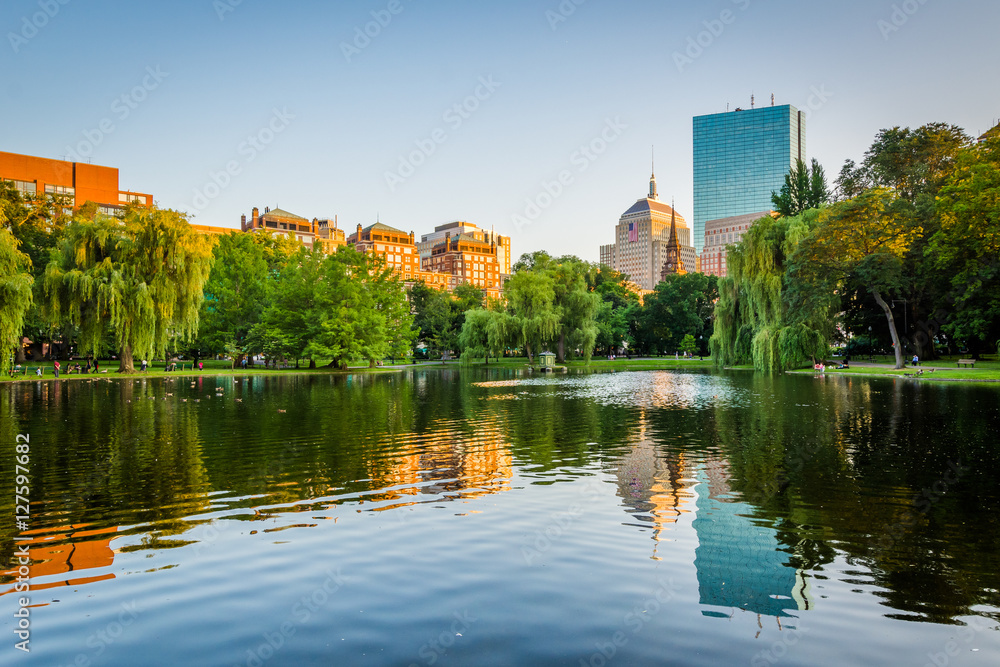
(55, 368)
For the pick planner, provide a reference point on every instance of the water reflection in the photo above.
(654, 484)
(741, 563)
(771, 484)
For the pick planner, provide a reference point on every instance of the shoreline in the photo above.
(619, 365)
(597, 365)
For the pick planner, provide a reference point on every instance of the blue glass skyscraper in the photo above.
(740, 157)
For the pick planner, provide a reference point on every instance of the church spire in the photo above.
(673, 263)
(673, 225)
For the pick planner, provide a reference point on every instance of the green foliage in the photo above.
(576, 307)
(765, 315)
(680, 305)
(15, 294)
(531, 304)
(342, 307)
(908, 162)
(439, 316)
(37, 223)
(236, 292)
(618, 302)
(141, 277)
(804, 188)
(965, 250)
(688, 345)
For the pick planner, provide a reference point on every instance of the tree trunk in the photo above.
(892, 328)
(19, 351)
(125, 360)
(527, 348)
(312, 363)
(561, 348)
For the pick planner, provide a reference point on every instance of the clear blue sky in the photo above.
(344, 120)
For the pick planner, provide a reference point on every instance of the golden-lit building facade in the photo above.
(429, 241)
(393, 245)
(471, 258)
(315, 233)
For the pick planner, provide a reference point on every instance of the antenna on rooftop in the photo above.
(751, 101)
(772, 99)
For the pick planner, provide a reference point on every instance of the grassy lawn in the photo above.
(986, 370)
(603, 363)
(211, 368)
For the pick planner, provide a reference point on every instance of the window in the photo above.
(24, 187)
(59, 190)
(126, 198)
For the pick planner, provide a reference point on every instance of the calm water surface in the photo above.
(462, 517)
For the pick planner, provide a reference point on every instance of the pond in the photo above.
(488, 517)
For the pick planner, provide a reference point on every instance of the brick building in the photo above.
(75, 182)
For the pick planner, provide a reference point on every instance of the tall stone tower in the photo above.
(673, 263)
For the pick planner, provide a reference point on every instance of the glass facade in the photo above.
(740, 157)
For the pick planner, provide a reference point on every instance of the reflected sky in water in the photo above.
(461, 516)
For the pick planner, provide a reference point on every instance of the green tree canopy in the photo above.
(682, 304)
(237, 290)
(761, 317)
(15, 294)
(965, 249)
(141, 277)
(345, 306)
(804, 188)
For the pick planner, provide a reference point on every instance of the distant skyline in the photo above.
(534, 118)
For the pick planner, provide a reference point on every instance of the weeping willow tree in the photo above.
(15, 294)
(532, 309)
(765, 316)
(487, 332)
(141, 278)
(576, 307)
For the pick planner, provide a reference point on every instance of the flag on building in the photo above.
(633, 232)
